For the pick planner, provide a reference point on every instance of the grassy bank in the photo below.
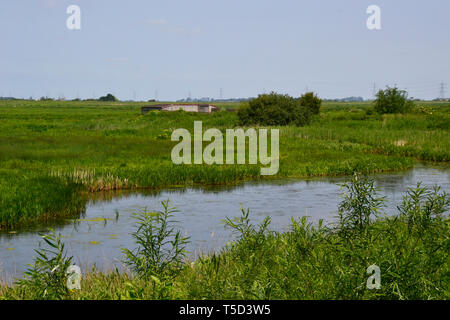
(93, 146)
(28, 198)
(306, 262)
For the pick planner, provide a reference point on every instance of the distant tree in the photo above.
(392, 100)
(108, 97)
(273, 109)
(311, 102)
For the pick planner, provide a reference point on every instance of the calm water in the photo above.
(95, 240)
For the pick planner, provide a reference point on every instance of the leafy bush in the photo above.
(47, 278)
(274, 109)
(108, 97)
(249, 236)
(311, 101)
(160, 248)
(359, 206)
(392, 100)
(421, 207)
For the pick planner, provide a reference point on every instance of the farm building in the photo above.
(203, 108)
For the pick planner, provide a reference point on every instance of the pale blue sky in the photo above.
(245, 47)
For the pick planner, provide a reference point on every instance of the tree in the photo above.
(274, 109)
(311, 102)
(108, 97)
(392, 100)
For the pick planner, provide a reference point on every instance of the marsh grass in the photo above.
(52, 152)
(28, 199)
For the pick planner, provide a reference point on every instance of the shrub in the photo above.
(360, 205)
(249, 236)
(274, 109)
(47, 278)
(311, 102)
(421, 207)
(392, 100)
(108, 97)
(160, 248)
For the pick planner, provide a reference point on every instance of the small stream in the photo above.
(98, 237)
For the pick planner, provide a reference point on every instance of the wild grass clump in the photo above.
(28, 199)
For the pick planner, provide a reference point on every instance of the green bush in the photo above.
(161, 249)
(392, 100)
(108, 97)
(274, 109)
(311, 101)
(47, 277)
(360, 205)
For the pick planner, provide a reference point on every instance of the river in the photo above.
(106, 227)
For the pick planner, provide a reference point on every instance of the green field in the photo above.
(52, 153)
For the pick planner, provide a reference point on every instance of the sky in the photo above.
(172, 49)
